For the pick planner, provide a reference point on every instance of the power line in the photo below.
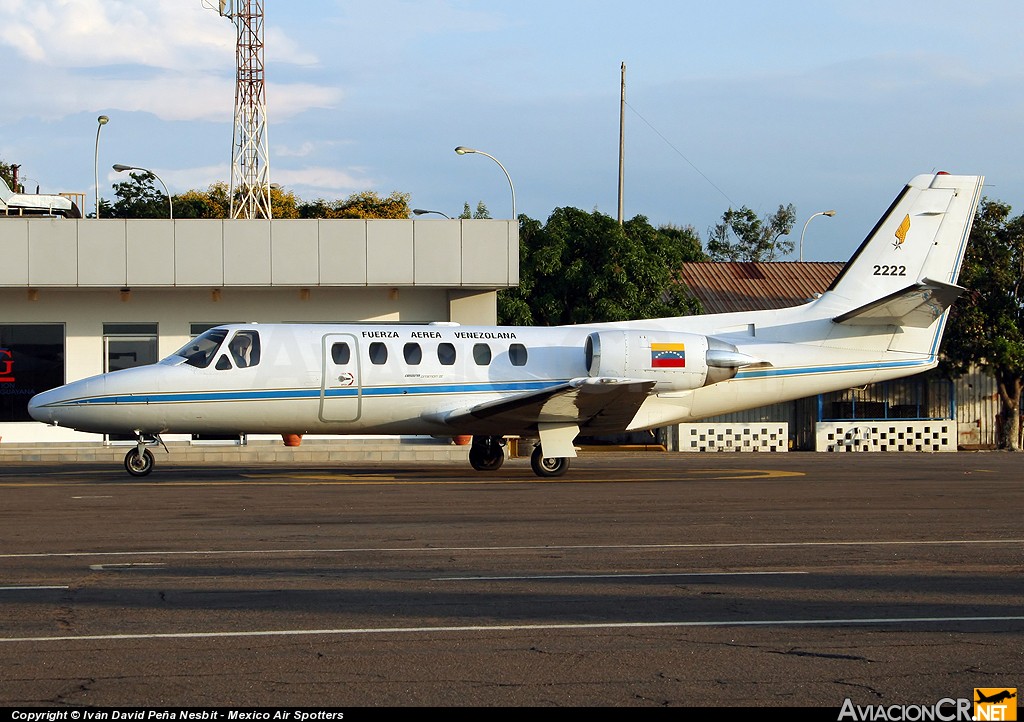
(679, 153)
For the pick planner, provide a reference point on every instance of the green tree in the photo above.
(481, 211)
(7, 173)
(137, 198)
(365, 204)
(742, 236)
(211, 203)
(584, 267)
(283, 204)
(986, 325)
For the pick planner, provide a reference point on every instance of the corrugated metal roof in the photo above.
(722, 287)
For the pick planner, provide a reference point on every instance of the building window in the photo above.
(196, 329)
(126, 345)
(378, 353)
(517, 354)
(31, 361)
(446, 354)
(481, 354)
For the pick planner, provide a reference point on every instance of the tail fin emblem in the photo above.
(901, 233)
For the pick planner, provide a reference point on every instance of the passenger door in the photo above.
(341, 394)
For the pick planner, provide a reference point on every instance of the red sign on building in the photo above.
(6, 367)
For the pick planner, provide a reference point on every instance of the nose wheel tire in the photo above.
(138, 464)
(548, 466)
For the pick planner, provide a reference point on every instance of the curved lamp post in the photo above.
(463, 150)
(100, 122)
(120, 168)
(423, 211)
(819, 213)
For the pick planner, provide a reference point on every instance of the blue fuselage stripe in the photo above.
(806, 370)
(430, 389)
(313, 393)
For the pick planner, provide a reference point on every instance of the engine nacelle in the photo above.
(676, 361)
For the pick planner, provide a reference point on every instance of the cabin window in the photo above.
(222, 363)
(378, 353)
(413, 354)
(481, 354)
(517, 354)
(341, 354)
(446, 354)
(245, 349)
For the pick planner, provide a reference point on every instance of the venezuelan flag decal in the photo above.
(668, 355)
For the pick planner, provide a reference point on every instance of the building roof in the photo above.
(35, 204)
(722, 287)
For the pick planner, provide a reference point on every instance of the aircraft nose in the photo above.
(57, 406)
(39, 406)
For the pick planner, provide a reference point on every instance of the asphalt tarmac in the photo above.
(637, 580)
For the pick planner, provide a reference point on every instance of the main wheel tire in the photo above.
(547, 466)
(483, 458)
(138, 465)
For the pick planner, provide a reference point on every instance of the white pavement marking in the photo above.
(543, 547)
(513, 628)
(613, 576)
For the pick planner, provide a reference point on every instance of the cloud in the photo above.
(285, 50)
(93, 33)
(301, 152)
(316, 182)
(290, 99)
(97, 55)
(199, 178)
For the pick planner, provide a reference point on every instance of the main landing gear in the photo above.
(488, 454)
(139, 461)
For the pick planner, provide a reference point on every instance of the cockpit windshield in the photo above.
(200, 351)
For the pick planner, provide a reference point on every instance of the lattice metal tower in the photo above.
(250, 155)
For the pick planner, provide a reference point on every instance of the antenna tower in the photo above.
(250, 156)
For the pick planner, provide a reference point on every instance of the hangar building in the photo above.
(84, 296)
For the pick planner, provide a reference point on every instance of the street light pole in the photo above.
(819, 213)
(120, 168)
(463, 150)
(100, 122)
(423, 211)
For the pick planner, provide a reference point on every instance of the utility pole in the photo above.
(622, 142)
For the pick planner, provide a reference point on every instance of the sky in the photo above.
(825, 105)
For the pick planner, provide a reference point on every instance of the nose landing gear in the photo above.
(139, 461)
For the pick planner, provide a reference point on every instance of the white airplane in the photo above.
(881, 319)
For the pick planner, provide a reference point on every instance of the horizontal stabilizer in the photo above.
(917, 306)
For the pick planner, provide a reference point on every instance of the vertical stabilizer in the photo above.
(894, 294)
(921, 237)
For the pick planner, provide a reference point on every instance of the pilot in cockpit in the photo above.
(240, 347)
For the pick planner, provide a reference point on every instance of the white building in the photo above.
(80, 297)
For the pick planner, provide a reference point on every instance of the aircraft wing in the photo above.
(599, 405)
(917, 306)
